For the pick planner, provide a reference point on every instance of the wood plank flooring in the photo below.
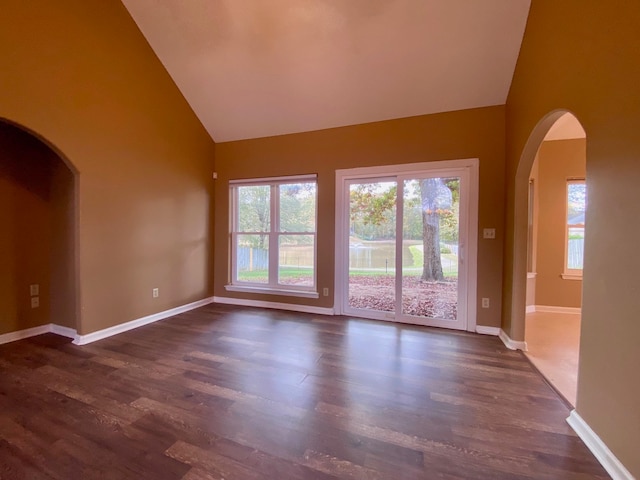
(239, 393)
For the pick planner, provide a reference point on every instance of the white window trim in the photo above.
(272, 291)
(273, 287)
(571, 276)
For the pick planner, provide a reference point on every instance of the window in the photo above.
(576, 209)
(273, 236)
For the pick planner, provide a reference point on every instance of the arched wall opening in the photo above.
(38, 243)
(521, 224)
(556, 227)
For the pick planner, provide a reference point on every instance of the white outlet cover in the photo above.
(489, 233)
(34, 289)
(35, 302)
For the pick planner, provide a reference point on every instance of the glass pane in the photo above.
(576, 209)
(297, 259)
(372, 246)
(298, 207)
(252, 257)
(575, 248)
(576, 203)
(254, 208)
(430, 231)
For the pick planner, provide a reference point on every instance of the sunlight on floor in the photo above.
(553, 340)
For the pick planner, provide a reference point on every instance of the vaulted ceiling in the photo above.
(256, 68)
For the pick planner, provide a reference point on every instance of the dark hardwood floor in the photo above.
(238, 393)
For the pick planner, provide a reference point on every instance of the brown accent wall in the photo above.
(477, 133)
(81, 75)
(583, 56)
(559, 160)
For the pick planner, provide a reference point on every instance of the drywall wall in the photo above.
(566, 63)
(26, 205)
(80, 74)
(63, 228)
(559, 160)
(477, 133)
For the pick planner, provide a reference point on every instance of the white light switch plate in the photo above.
(489, 233)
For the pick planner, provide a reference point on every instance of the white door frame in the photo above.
(342, 225)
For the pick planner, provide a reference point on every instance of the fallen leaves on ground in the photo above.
(420, 298)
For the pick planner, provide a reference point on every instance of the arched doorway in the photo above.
(555, 251)
(38, 247)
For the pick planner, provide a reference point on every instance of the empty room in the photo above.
(292, 239)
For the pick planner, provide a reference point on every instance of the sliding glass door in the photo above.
(404, 241)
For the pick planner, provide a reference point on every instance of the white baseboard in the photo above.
(607, 459)
(554, 309)
(22, 334)
(482, 330)
(123, 327)
(512, 344)
(32, 332)
(530, 309)
(63, 331)
(276, 305)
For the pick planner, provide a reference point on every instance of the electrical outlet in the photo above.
(34, 290)
(325, 292)
(489, 233)
(485, 303)
(155, 293)
(35, 302)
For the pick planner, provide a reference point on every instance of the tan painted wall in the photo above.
(465, 134)
(533, 241)
(81, 75)
(582, 56)
(63, 247)
(559, 160)
(26, 212)
(37, 233)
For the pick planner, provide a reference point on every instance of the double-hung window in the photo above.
(273, 235)
(574, 246)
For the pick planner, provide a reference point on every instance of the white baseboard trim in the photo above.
(530, 309)
(512, 344)
(32, 332)
(482, 330)
(63, 331)
(555, 309)
(22, 334)
(607, 459)
(124, 327)
(276, 305)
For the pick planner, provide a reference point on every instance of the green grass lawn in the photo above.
(284, 273)
(301, 272)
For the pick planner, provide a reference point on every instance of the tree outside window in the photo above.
(274, 233)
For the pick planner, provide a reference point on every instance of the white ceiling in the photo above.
(565, 128)
(256, 68)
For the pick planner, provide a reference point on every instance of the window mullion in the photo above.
(273, 235)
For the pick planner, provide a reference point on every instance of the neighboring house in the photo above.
(80, 75)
